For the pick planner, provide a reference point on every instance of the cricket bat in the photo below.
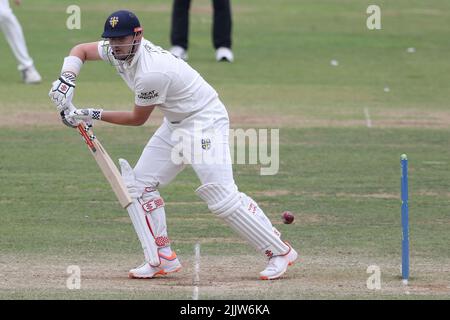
(105, 163)
(114, 178)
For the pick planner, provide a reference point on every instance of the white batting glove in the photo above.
(87, 115)
(62, 90)
(68, 122)
(129, 179)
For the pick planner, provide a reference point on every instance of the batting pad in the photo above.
(254, 209)
(229, 204)
(153, 205)
(139, 219)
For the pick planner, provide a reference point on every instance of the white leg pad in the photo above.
(254, 209)
(232, 206)
(141, 226)
(153, 205)
(138, 216)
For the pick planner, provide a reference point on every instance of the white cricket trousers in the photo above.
(14, 35)
(200, 140)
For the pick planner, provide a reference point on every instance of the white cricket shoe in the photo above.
(31, 76)
(224, 54)
(277, 265)
(168, 264)
(179, 52)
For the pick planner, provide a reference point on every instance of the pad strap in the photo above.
(152, 205)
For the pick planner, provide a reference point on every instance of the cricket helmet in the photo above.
(121, 23)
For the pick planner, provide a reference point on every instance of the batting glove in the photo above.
(87, 115)
(68, 122)
(62, 89)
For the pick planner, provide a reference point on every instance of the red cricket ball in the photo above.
(288, 217)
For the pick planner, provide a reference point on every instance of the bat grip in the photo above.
(83, 130)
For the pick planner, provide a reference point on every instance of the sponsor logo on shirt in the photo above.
(148, 95)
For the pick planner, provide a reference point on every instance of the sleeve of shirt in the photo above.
(151, 89)
(102, 50)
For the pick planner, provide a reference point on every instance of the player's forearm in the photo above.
(126, 118)
(77, 56)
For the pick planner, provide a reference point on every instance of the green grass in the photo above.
(340, 178)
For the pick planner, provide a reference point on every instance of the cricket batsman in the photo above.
(193, 113)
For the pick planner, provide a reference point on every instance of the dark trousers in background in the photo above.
(221, 31)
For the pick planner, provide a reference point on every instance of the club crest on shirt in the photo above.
(206, 144)
(148, 95)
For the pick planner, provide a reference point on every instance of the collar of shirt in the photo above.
(136, 55)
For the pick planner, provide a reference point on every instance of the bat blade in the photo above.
(105, 164)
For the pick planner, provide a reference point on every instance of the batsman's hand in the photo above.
(68, 122)
(87, 115)
(62, 90)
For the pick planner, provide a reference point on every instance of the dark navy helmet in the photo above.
(120, 24)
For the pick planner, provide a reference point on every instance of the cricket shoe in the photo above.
(224, 54)
(31, 76)
(168, 264)
(277, 265)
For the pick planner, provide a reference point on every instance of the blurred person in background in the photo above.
(12, 30)
(221, 29)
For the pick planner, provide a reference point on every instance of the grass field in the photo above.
(341, 137)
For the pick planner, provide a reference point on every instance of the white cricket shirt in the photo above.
(158, 78)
